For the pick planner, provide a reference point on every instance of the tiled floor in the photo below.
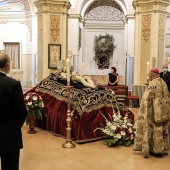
(43, 151)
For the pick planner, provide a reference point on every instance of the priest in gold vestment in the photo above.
(152, 124)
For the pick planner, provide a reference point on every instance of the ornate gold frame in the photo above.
(54, 55)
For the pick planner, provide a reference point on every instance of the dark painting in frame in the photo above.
(54, 55)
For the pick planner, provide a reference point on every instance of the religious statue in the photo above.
(85, 80)
(61, 72)
(103, 60)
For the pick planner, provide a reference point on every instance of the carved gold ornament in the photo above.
(40, 27)
(146, 26)
(55, 26)
(104, 10)
(161, 27)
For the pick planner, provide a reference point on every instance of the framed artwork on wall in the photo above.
(54, 55)
(167, 43)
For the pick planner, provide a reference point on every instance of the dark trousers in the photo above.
(10, 160)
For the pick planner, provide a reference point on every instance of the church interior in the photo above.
(94, 35)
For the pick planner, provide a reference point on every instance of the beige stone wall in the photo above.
(150, 18)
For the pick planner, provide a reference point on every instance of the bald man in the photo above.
(12, 116)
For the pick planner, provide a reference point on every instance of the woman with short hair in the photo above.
(113, 77)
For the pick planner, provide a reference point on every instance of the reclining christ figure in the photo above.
(85, 80)
(75, 76)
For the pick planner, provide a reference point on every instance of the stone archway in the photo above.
(101, 18)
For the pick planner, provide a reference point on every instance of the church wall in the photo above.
(130, 37)
(167, 40)
(73, 41)
(124, 39)
(125, 46)
(118, 59)
(73, 36)
(94, 26)
(130, 30)
(17, 32)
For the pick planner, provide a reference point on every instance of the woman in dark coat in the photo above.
(113, 77)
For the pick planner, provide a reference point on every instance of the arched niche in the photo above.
(84, 5)
(95, 23)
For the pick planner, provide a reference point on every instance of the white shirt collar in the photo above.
(3, 72)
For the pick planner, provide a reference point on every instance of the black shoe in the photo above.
(157, 155)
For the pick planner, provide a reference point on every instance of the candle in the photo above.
(147, 67)
(10, 72)
(82, 69)
(68, 71)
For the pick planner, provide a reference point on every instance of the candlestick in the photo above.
(68, 71)
(10, 72)
(68, 143)
(82, 69)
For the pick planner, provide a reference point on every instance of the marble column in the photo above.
(150, 17)
(52, 16)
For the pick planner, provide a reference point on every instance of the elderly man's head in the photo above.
(154, 73)
(4, 63)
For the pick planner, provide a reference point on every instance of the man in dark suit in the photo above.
(12, 116)
(165, 75)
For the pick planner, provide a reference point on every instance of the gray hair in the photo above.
(4, 59)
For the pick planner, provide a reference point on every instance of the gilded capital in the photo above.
(52, 6)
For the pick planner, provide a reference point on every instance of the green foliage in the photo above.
(119, 129)
(104, 41)
(34, 104)
(112, 142)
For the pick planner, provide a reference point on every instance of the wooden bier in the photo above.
(121, 92)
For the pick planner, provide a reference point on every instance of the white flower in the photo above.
(129, 124)
(109, 124)
(106, 131)
(125, 117)
(27, 97)
(118, 136)
(124, 126)
(122, 133)
(125, 121)
(114, 115)
(29, 103)
(130, 130)
(116, 119)
(42, 104)
(34, 98)
(120, 121)
(119, 116)
(132, 137)
(113, 127)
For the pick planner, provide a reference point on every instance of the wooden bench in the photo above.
(121, 92)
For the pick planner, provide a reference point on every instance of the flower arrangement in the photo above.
(119, 130)
(106, 42)
(34, 104)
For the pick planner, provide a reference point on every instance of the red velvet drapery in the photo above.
(83, 126)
